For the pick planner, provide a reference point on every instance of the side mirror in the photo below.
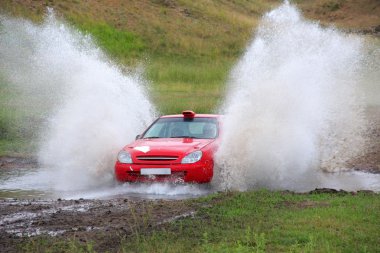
(137, 137)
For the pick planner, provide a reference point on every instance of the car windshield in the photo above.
(200, 128)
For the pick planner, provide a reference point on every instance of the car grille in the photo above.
(174, 174)
(157, 158)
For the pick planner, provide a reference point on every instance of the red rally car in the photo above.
(175, 148)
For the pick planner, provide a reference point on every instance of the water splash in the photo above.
(91, 108)
(293, 106)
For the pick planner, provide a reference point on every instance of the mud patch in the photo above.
(370, 160)
(85, 220)
(9, 162)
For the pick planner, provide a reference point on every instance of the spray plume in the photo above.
(92, 108)
(293, 105)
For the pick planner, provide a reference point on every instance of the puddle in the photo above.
(36, 184)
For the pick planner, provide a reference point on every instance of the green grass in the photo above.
(17, 147)
(265, 221)
(256, 221)
(185, 84)
(120, 44)
(18, 132)
(20, 122)
(269, 221)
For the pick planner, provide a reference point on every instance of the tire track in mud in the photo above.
(85, 219)
(31, 218)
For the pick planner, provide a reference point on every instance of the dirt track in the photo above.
(86, 220)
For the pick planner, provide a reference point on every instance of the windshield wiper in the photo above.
(152, 137)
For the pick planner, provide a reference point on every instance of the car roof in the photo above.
(195, 116)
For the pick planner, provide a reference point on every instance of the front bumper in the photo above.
(199, 172)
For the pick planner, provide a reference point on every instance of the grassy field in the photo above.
(256, 221)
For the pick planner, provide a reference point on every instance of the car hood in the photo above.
(166, 146)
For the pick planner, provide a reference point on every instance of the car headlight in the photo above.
(192, 157)
(124, 157)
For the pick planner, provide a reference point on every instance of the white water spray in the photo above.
(294, 105)
(94, 108)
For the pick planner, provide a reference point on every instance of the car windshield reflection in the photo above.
(197, 128)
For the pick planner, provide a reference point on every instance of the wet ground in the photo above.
(30, 207)
(370, 161)
(85, 220)
(103, 214)
(105, 221)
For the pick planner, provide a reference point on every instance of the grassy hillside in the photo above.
(188, 29)
(352, 15)
(186, 47)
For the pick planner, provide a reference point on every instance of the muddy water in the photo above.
(34, 184)
(31, 183)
